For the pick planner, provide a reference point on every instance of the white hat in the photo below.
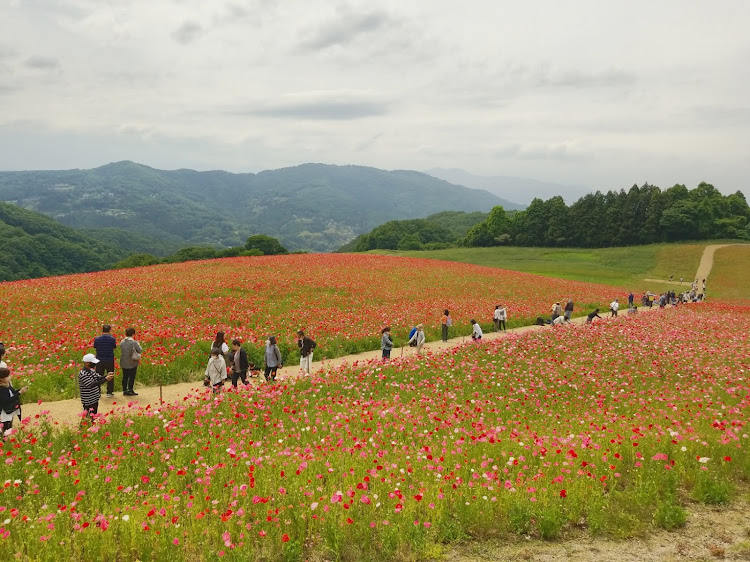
(90, 358)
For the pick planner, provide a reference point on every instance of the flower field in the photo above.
(613, 427)
(342, 301)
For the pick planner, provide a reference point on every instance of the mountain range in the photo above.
(311, 207)
(520, 190)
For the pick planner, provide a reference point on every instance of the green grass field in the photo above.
(730, 276)
(611, 266)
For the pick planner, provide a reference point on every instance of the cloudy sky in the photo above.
(595, 93)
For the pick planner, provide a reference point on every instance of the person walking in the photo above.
(130, 358)
(592, 315)
(631, 297)
(10, 400)
(476, 330)
(216, 370)
(105, 345)
(445, 323)
(613, 307)
(418, 338)
(306, 346)
(502, 316)
(273, 359)
(240, 363)
(386, 343)
(89, 383)
(568, 310)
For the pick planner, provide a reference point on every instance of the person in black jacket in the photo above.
(105, 352)
(10, 400)
(239, 363)
(306, 346)
(592, 315)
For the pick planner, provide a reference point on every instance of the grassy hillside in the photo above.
(612, 266)
(312, 207)
(730, 276)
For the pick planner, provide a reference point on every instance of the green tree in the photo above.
(267, 244)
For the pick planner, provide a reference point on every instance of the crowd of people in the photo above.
(232, 364)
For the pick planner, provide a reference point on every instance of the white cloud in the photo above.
(580, 92)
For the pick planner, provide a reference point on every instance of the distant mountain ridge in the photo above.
(314, 207)
(520, 190)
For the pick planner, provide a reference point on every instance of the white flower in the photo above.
(683, 449)
(704, 460)
(126, 517)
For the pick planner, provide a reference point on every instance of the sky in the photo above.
(593, 93)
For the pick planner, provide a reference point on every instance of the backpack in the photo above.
(411, 335)
(449, 322)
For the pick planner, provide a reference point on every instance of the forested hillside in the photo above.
(309, 207)
(34, 245)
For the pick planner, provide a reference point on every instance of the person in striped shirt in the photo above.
(89, 383)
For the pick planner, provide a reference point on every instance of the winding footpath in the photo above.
(69, 411)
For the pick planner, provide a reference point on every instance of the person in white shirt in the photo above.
(418, 338)
(559, 321)
(502, 315)
(613, 307)
(476, 330)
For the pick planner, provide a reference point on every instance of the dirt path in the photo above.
(711, 533)
(69, 411)
(707, 261)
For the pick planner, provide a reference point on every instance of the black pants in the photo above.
(501, 323)
(386, 354)
(270, 373)
(239, 375)
(128, 379)
(91, 409)
(105, 366)
(6, 426)
(444, 328)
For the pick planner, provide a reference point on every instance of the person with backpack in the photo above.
(445, 323)
(10, 400)
(556, 311)
(418, 338)
(273, 359)
(306, 346)
(386, 343)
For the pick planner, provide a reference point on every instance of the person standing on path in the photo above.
(476, 330)
(240, 363)
(105, 353)
(306, 346)
(418, 338)
(2, 354)
(630, 299)
(10, 400)
(89, 383)
(220, 342)
(386, 343)
(502, 316)
(273, 359)
(556, 310)
(216, 370)
(130, 358)
(445, 323)
(613, 306)
(568, 309)
(496, 317)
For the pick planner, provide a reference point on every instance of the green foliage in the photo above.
(642, 215)
(440, 230)
(268, 245)
(37, 246)
(669, 515)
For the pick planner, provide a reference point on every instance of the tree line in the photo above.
(641, 215)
